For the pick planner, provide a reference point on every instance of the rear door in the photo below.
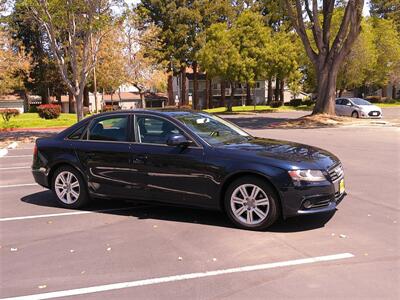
(346, 107)
(168, 173)
(338, 107)
(105, 155)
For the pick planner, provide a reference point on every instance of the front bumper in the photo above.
(312, 198)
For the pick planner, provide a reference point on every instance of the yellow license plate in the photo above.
(341, 186)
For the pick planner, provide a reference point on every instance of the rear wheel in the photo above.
(354, 114)
(251, 203)
(69, 188)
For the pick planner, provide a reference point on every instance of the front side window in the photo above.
(113, 128)
(153, 130)
(77, 134)
(212, 129)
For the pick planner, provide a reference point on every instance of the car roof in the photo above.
(168, 112)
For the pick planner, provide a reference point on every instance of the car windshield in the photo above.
(212, 129)
(359, 101)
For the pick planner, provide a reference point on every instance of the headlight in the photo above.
(307, 175)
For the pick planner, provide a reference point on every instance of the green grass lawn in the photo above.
(258, 108)
(397, 104)
(32, 120)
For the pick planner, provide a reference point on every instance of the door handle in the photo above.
(140, 158)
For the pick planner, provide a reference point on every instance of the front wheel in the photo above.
(251, 203)
(354, 114)
(69, 187)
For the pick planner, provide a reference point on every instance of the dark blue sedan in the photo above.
(187, 158)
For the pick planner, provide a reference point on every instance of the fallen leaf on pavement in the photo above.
(180, 258)
(42, 286)
(109, 249)
(343, 236)
(13, 249)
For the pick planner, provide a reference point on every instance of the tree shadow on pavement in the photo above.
(256, 122)
(161, 212)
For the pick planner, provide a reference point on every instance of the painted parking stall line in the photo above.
(67, 214)
(15, 168)
(159, 280)
(17, 185)
(17, 156)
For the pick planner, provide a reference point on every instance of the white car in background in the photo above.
(357, 108)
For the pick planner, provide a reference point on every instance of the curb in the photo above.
(4, 151)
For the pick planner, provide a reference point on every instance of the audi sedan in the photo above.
(187, 158)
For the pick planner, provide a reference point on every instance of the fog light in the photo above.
(307, 204)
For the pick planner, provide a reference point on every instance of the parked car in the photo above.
(357, 108)
(187, 158)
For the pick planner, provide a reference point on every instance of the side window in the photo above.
(113, 128)
(153, 130)
(345, 102)
(76, 135)
(339, 101)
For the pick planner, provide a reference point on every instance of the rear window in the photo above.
(113, 128)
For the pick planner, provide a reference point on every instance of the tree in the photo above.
(14, 64)
(219, 57)
(44, 77)
(387, 9)
(326, 56)
(141, 65)
(74, 29)
(110, 71)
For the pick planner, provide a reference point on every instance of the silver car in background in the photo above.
(357, 108)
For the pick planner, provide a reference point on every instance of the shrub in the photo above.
(106, 108)
(33, 109)
(375, 99)
(49, 111)
(8, 113)
(391, 101)
(309, 102)
(295, 102)
(276, 104)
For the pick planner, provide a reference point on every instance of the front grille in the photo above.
(335, 172)
(374, 113)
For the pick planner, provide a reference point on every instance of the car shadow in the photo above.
(161, 212)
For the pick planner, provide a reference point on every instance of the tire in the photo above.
(355, 114)
(259, 211)
(69, 188)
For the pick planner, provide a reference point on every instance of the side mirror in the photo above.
(349, 104)
(178, 140)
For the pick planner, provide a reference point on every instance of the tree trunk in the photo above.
(112, 101)
(270, 91)
(394, 91)
(195, 87)
(232, 97)
(70, 102)
(277, 89)
(142, 99)
(341, 92)
(326, 91)
(223, 87)
(207, 93)
(170, 90)
(183, 86)
(79, 105)
(86, 97)
(384, 91)
(248, 94)
(282, 91)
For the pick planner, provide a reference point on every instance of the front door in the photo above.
(169, 173)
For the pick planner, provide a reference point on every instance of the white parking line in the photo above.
(151, 281)
(17, 185)
(66, 214)
(15, 156)
(13, 168)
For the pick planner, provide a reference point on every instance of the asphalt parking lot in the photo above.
(119, 250)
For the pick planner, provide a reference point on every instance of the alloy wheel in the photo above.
(67, 187)
(249, 204)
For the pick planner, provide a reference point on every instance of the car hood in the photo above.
(283, 154)
(368, 108)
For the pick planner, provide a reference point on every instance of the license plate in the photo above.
(374, 113)
(341, 186)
